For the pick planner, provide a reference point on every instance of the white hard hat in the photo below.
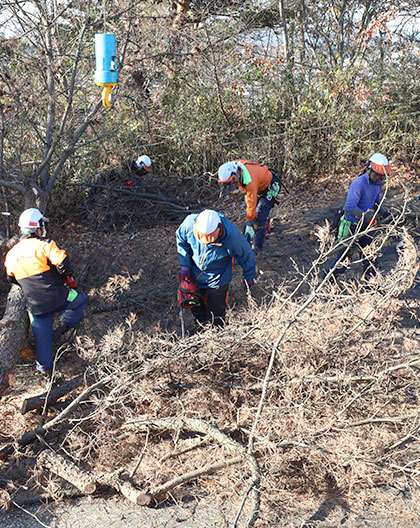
(31, 219)
(207, 222)
(144, 161)
(227, 170)
(380, 164)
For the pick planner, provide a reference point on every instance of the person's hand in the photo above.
(184, 272)
(371, 222)
(250, 233)
(70, 282)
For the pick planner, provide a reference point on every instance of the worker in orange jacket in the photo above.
(262, 186)
(43, 271)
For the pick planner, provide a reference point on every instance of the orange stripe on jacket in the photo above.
(32, 256)
(261, 179)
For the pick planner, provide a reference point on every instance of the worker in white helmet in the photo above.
(363, 207)
(44, 273)
(140, 167)
(207, 244)
(262, 186)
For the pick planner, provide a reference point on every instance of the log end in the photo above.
(89, 488)
(143, 499)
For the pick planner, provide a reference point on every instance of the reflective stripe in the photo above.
(246, 176)
(72, 295)
(31, 317)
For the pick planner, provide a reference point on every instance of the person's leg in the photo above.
(73, 310)
(42, 329)
(369, 266)
(216, 304)
(341, 269)
(200, 313)
(264, 207)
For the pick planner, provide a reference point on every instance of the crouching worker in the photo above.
(44, 273)
(207, 245)
(362, 213)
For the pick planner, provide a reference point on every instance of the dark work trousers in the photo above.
(42, 327)
(369, 267)
(264, 207)
(213, 308)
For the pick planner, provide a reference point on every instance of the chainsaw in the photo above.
(188, 297)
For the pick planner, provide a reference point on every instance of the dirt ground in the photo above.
(135, 270)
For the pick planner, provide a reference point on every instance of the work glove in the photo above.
(70, 282)
(250, 233)
(369, 220)
(185, 271)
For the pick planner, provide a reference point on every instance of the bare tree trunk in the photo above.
(13, 333)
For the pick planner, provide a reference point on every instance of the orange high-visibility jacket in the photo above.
(33, 263)
(261, 178)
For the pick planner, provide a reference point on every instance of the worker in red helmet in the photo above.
(363, 206)
(207, 246)
(43, 271)
(262, 186)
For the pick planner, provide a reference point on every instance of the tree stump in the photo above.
(13, 334)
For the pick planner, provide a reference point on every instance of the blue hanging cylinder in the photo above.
(106, 73)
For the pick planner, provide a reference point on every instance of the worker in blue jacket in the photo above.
(363, 206)
(207, 245)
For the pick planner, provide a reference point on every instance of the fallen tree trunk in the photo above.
(13, 334)
(159, 198)
(67, 470)
(48, 398)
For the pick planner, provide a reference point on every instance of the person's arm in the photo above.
(251, 201)
(241, 251)
(353, 199)
(58, 258)
(183, 247)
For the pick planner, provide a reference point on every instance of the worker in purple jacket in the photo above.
(363, 205)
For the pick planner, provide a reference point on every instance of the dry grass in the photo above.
(339, 417)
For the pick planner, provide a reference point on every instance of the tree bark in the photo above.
(49, 398)
(125, 488)
(67, 470)
(13, 334)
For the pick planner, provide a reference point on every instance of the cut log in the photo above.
(48, 398)
(13, 334)
(125, 488)
(67, 470)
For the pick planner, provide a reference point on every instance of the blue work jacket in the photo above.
(211, 264)
(362, 194)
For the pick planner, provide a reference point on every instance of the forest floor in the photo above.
(135, 270)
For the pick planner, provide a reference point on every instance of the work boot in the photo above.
(61, 329)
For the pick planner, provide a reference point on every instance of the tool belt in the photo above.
(273, 190)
